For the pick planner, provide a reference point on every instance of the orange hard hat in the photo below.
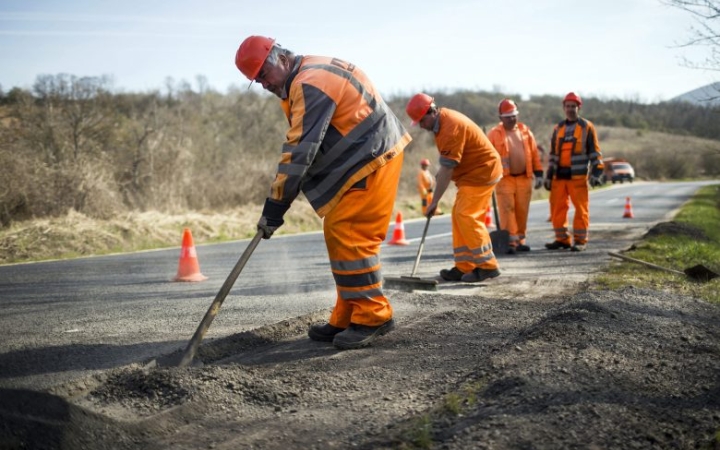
(424, 162)
(507, 108)
(573, 97)
(252, 54)
(418, 106)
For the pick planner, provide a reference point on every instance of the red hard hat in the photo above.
(573, 97)
(252, 54)
(424, 162)
(418, 106)
(507, 108)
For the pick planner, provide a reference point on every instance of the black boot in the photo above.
(358, 336)
(323, 332)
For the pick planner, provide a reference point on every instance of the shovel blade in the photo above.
(500, 241)
(700, 273)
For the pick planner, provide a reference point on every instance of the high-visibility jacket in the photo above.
(425, 183)
(464, 147)
(498, 138)
(333, 142)
(573, 154)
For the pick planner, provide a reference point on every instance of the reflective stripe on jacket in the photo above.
(577, 150)
(498, 138)
(341, 130)
(464, 147)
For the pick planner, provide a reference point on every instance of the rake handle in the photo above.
(219, 299)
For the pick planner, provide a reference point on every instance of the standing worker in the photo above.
(468, 158)
(520, 162)
(344, 151)
(574, 152)
(426, 185)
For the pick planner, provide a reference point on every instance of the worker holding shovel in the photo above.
(344, 151)
(521, 162)
(468, 158)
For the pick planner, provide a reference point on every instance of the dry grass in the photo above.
(75, 234)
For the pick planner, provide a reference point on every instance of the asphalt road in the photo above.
(65, 319)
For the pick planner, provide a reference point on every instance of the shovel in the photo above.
(219, 299)
(697, 273)
(412, 282)
(500, 238)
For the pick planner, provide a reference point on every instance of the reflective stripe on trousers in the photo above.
(471, 241)
(513, 197)
(577, 191)
(354, 231)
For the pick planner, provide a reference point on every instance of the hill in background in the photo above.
(708, 95)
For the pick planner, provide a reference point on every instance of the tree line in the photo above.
(72, 143)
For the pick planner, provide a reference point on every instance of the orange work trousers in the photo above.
(577, 191)
(472, 246)
(426, 201)
(354, 231)
(513, 197)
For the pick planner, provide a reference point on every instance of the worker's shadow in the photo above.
(290, 350)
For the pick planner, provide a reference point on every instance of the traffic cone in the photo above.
(628, 214)
(399, 232)
(188, 267)
(488, 218)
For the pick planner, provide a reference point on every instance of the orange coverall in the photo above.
(574, 151)
(476, 169)
(426, 185)
(349, 172)
(514, 191)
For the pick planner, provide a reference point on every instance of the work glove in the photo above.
(272, 217)
(538, 179)
(548, 184)
(595, 181)
(268, 226)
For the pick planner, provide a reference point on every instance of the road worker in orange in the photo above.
(344, 151)
(468, 158)
(522, 171)
(574, 160)
(426, 185)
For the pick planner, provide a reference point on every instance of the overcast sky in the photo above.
(626, 49)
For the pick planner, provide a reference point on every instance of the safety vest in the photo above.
(573, 153)
(341, 131)
(498, 137)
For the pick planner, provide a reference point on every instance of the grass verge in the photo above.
(692, 238)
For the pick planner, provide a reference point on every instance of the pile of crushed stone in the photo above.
(629, 368)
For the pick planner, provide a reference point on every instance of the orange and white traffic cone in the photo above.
(628, 214)
(399, 232)
(188, 267)
(488, 218)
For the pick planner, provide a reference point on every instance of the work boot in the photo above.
(510, 250)
(323, 332)
(557, 245)
(578, 247)
(479, 274)
(358, 336)
(522, 248)
(453, 274)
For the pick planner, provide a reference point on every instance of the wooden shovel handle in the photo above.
(645, 263)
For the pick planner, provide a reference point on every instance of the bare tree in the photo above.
(706, 32)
